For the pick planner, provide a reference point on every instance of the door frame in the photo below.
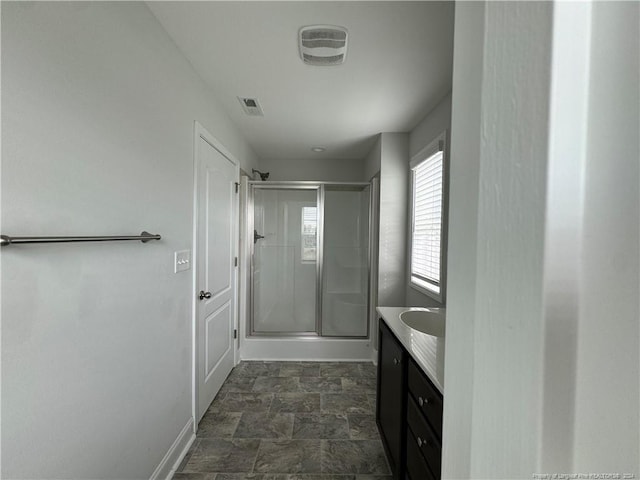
(199, 132)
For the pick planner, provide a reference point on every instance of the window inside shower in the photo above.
(309, 233)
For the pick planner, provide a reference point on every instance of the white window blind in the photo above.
(427, 222)
(309, 231)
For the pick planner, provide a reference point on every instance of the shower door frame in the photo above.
(319, 187)
(319, 234)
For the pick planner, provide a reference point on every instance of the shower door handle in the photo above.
(256, 236)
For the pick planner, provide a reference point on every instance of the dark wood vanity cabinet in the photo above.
(409, 412)
(391, 388)
(424, 422)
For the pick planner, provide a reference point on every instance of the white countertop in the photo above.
(426, 350)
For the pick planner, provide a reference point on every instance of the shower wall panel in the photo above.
(346, 260)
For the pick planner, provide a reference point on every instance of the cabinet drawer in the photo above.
(428, 399)
(416, 465)
(425, 439)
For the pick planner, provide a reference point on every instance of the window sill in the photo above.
(437, 296)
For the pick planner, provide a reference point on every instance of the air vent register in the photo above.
(323, 45)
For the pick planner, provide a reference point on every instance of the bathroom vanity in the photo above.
(409, 391)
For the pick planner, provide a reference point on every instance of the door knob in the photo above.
(202, 295)
(256, 236)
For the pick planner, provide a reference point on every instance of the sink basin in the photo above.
(426, 320)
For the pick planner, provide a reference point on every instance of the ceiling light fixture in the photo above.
(318, 149)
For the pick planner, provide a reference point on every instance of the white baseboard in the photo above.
(176, 453)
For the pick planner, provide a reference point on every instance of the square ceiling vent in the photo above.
(251, 106)
(323, 45)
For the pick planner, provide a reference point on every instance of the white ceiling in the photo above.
(398, 67)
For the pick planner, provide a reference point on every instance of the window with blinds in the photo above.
(427, 174)
(309, 234)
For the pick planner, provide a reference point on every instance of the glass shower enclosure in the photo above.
(310, 247)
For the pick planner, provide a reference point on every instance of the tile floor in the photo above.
(290, 421)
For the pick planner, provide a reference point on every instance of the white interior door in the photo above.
(216, 245)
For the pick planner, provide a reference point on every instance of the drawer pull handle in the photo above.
(424, 442)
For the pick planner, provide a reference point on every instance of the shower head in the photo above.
(263, 176)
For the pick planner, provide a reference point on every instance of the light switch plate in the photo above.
(182, 261)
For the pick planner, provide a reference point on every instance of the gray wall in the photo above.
(389, 155)
(372, 160)
(608, 352)
(394, 171)
(98, 110)
(329, 170)
(494, 351)
(463, 227)
(392, 162)
(388, 161)
(542, 307)
(432, 125)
